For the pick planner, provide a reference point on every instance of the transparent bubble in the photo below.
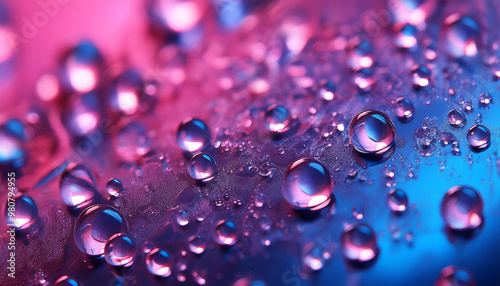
(132, 142)
(326, 90)
(404, 108)
(359, 54)
(83, 114)
(479, 137)
(461, 208)
(420, 76)
(454, 276)
(456, 118)
(78, 187)
(406, 36)
(202, 167)
(82, 67)
(114, 188)
(372, 132)
(398, 201)
(485, 99)
(127, 92)
(461, 36)
(364, 79)
(67, 281)
(25, 212)
(315, 258)
(12, 136)
(197, 245)
(95, 226)
(225, 233)
(277, 119)
(307, 185)
(159, 262)
(359, 243)
(120, 250)
(193, 135)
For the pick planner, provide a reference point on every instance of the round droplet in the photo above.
(182, 218)
(359, 243)
(454, 276)
(82, 67)
(485, 99)
(314, 258)
(278, 120)
(95, 226)
(364, 79)
(461, 208)
(159, 262)
(66, 281)
(12, 136)
(225, 233)
(24, 210)
(78, 187)
(406, 36)
(468, 108)
(404, 108)
(120, 250)
(197, 245)
(114, 188)
(82, 114)
(326, 90)
(359, 54)
(132, 142)
(398, 201)
(202, 167)
(456, 118)
(127, 93)
(420, 76)
(372, 132)
(307, 185)
(193, 135)
(479, 137)
(461, 36)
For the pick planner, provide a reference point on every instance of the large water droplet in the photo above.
(120, 250)
(461, 36)
(82, 67)
(24, 210)
(359, 243)
(278, 119)
(77, 187)
(404, 108)
(307, 185)
(462, 208)
(398, 201)
(479, 137)
(420, 76)
(193, 135)
(202, 167)
(159, 262)
(12, 136)
(132, 142)
(372, 132)
(225, 233)
(359, 54)
(456, 118)
(454, 276)
(95, 226)
(114, 188)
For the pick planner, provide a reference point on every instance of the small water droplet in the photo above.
(120, 250)
(359, 243)
(225, 233)
(420, 76)
(78, 187)
(314, 258)
(357, 213)
(364, 79)
(456, 118)
(404, 108)
(372, 132)
(479, 137)
(159, 262)
(278, 120)
(193, 135)
(485, 99)
(202, 167)
(25, 212)
(114, 188)
(359, 54)
(461, 208)
(197, 245)
(326, 90)
(182, 218)
(398, 201)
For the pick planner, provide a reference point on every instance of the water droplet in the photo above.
(406, 36)
(454, 276)
(225, 233)
(359, 54)
(468, 108)
(479, 137)
(197, 245)
(372, 132)
(278, 120)
(120, 250)
(95, 226)
(114, 188)
(314, 258)
(326, 90)
(307, 185)
(359, 243)
(182, 218)
(357, 213)
(200, 277)
(127, 92)
(364, 79)
(177, 16)
(132, 142)
(404, 108)
(78, 187)
(456, 118)
(461, 208)
(67, 281)
(193, 135)
(202, 167)
(398, 201)
(485, 99)
(267, 169)
(12, 136)
(82, 67)
(420, 76)
(259, 200)
(446, 138)
(82, 114)
(461, 36)
(25, 212)
(159, 262)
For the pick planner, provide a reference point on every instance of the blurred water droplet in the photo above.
(120, 250)
(326, 90)
(364, 79)
(461, 36)
(461, 208)
(406, 36)
(398, 201)
(359, 243)
(455, 276)
(132, 142)
(82, 114)
(420, 76)
(314, 257)
(359, 54)
(67, 281)
(127, 92)
(372, 132)
(12, 136)
(82, 67)
(24, 212)
(357, 213)
(178, 16)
